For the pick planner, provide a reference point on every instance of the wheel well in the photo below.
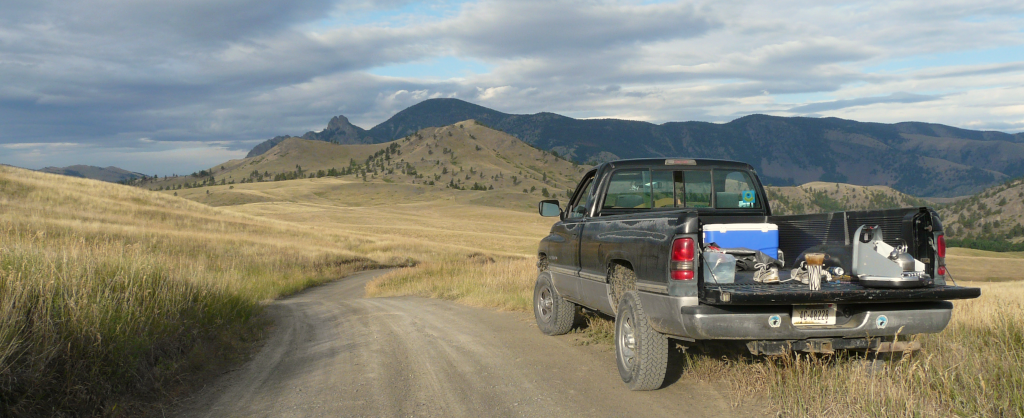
(623, 263)
(619, 282)
(542, 261)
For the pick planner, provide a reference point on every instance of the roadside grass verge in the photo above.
(975, 367)
(111, 295)
(504, 283)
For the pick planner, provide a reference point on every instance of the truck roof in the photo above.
(679, 162)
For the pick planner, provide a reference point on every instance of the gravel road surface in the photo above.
(333, 353)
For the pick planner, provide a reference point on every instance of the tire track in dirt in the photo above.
(334, 353)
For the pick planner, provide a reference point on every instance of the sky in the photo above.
(173, 86)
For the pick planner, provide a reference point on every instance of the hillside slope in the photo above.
(820, 197)
(109, 174)
(916, 158)
(465, 161)
(997, 213)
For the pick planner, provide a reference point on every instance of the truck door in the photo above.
(572, 227)
(564, 259)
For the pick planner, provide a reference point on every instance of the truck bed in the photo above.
(838, 292)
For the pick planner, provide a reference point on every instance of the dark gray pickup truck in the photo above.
(634, 242)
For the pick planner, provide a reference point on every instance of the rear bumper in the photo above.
(773, 322)
(795, 293)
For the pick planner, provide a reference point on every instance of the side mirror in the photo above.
(549, 208)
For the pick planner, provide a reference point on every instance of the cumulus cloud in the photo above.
(120, 77)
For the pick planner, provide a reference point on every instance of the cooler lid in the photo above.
(765, 227)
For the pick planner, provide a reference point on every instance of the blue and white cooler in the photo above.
(761, 237)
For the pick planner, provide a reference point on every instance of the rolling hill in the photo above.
(818, 197)
(109, 174)
(491, 167)
(997, 213)
(920, 159)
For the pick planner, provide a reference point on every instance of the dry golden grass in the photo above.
(973, 368)
(476, 280)
(108, 292)
(979, 265)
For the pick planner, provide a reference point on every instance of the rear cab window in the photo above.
(735, 190)
(679, 188)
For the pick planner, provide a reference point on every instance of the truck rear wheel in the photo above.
(554, 314)
(640, 352)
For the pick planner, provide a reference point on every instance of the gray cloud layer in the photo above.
(900, 97)
(199, 80)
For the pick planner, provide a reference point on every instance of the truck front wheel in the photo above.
(640, 351)
(554, 315)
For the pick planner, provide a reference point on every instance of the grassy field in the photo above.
(109, 294)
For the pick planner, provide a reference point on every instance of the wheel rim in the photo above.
(545, 303)
(627, 342)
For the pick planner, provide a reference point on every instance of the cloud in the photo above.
(166, 75)
(898, 97)
(544, 28)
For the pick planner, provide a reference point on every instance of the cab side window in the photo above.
(578, 206)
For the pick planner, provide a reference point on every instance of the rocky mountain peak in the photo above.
(339, 123)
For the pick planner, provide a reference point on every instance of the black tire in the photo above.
(640, 352)
(554, 315)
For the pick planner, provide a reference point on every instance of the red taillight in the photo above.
(940, 252)
(682, 259)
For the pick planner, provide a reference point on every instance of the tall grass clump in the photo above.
(110, 296)
(504, 283)
(78, 330)
(973, 368)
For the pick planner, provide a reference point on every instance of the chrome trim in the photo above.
(594, 277)
(562, 270)
(655, 288)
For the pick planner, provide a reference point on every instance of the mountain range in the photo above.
(921, 159)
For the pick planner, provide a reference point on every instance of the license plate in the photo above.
(823, 314)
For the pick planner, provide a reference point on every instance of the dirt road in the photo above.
(333, 353)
